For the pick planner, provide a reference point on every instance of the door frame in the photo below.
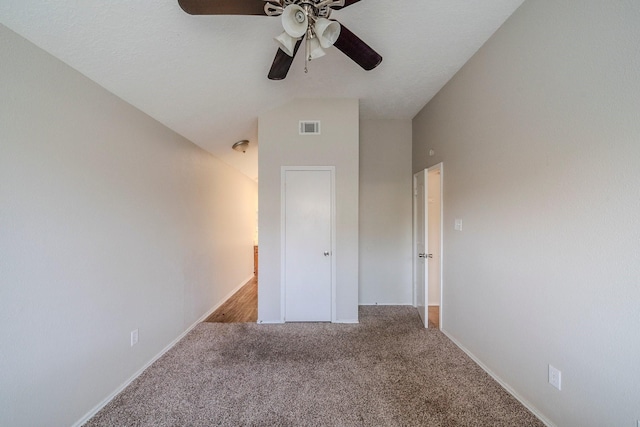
(283, 193)
(415, 261)
(438, 167)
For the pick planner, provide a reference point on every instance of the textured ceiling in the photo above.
(205, 76)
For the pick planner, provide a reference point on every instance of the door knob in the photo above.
(425, 255)
(327, 253)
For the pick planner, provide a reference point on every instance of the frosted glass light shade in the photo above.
(295, 21)
(327, 31)
(315, 50)
(286, 43)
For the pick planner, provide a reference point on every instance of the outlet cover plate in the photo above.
(134, 337)
(555, 377)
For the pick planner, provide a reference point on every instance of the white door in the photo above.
(433, 235)
(434, 240)
(307, 251)
(420, 266)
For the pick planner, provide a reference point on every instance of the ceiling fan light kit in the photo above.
(287, 43)
(295, 21)
(302, 20)
(315, 51)
(327, 32)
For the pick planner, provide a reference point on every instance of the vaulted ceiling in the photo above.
(205, 77)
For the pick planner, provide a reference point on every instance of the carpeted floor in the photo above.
(386, 371)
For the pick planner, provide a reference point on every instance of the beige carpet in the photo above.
(386, 371)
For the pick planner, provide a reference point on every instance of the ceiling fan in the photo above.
(307, 20)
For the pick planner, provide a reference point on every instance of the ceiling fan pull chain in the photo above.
(309, 12)
(307, 55)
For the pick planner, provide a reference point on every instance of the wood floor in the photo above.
(242, 307)
(434, 317)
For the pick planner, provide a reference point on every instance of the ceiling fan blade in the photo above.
(357, 50)
(223, 7)
(346, 3)
(282, 62)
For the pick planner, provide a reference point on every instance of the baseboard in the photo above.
(124, 385)
(500, 381)
(229, 295)
(386, 304)
(280, 322)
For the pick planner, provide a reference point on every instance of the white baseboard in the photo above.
(229, 295)
(280, 322)
(124, 385)
(385, 304)
(500, 381)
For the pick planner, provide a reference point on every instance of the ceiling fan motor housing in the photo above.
(314, 8)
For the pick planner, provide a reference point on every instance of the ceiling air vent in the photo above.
(310, 127)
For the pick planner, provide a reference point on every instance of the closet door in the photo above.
(307, 252)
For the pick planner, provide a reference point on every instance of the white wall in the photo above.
(281, 145)
(108, 222)
(540, 138)
(385, 212)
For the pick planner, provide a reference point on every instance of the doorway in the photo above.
(308, 236)
(420, 267)
(427, 237)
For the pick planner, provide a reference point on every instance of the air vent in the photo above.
(309, 127)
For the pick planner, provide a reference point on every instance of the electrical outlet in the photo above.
(458, 224)
(134, 337)
(555, 377)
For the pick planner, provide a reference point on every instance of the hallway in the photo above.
(242, 307)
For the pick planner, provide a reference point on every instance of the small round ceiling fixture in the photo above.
(241, 145)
